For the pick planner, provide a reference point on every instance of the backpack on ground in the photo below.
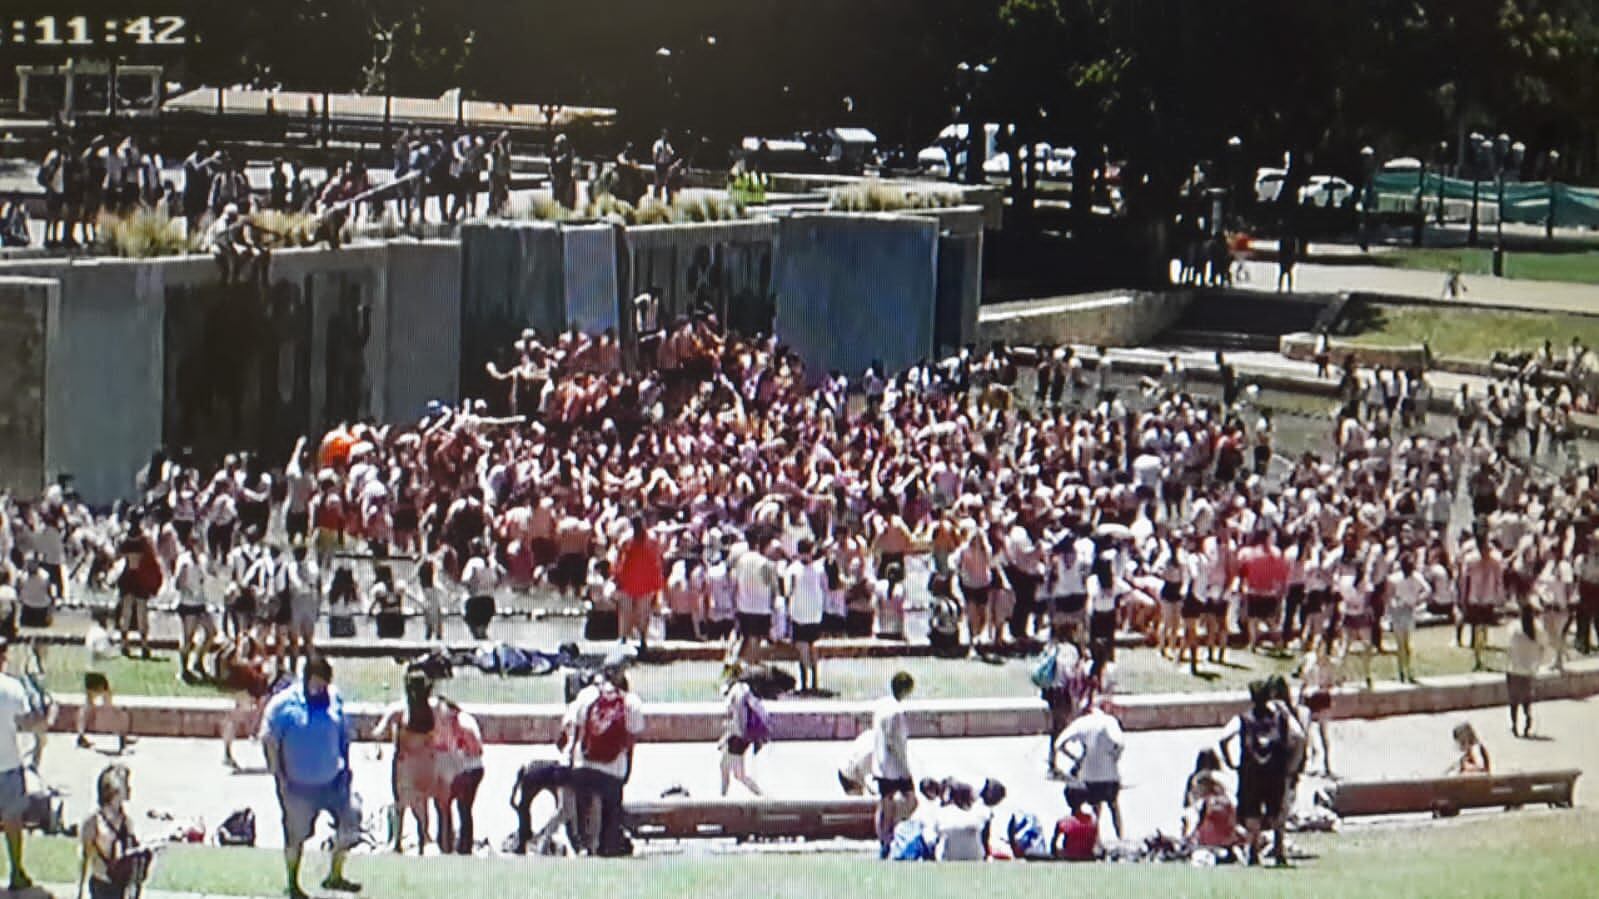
(238, 829)
(1026, 835)
(910, 843)
(605, 735)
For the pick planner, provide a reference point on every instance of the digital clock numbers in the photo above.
(78, 31)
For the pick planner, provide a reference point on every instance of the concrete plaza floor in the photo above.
(186, 779)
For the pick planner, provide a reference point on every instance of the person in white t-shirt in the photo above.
(891, 766)
(807, 599)
(755, 591)
(1098, 741)
(17, 712)
(958, 827)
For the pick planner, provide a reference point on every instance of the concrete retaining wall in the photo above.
(857, 289)
(26, 304)
(1302, 347)
(696, 722)
(1114, 318)
(139, 353)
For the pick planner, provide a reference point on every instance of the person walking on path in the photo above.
(598, 732)
(741, 730)
(1526, 655)
(1321, 674)
(306, 736)
(17, 713)
(111, 860)
(1099, 742)
(891, 766)
(1454, 284)
(1287, 258)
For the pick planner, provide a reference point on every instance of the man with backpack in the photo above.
(1266, 734)
(597, 734)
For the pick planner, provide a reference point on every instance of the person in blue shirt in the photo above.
(306, 735)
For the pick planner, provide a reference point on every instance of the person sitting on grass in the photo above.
(112, 863)
(97, 694)
(1473, 758)
(1077, 834)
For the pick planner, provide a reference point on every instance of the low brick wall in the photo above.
(701, 722)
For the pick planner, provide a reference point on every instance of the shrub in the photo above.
(875, 196)
(145, 233)
(290, 229)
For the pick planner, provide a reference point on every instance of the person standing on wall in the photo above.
(664, 156)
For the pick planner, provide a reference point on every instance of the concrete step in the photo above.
(702, 722)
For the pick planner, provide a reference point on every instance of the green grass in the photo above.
(1467, 333)
(1491, 854)
(1138, 671)
(1577, 268)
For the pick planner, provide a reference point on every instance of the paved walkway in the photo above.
(186, 779)
(1481, 290)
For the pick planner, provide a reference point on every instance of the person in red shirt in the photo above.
(1077, 834)
(640, 577)
(1263, 573)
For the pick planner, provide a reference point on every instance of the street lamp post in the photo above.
(1507, 156)
(976, 137)
(1368, 169)
(1480, 147)
(663, 58)
(1549, 176)
(1443, 164)
(1235, 154)
(1420, 221)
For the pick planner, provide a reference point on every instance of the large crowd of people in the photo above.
(712, 485)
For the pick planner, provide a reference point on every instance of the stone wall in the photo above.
(25, 306)
(1117, 318)
(857, 289)
(141, 353)
(1302, 347)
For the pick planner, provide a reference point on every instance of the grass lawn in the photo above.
(1574, 267)
(1463, 332)
(1489, 854)
(1139, 671)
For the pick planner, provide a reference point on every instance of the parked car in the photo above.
(1326, 192)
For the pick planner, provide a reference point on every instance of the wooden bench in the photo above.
(1446, 796)
(851, 818)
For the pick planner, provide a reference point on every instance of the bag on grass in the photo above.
(238, 829)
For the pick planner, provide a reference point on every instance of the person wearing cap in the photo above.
(598, 731)
(306, 735)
